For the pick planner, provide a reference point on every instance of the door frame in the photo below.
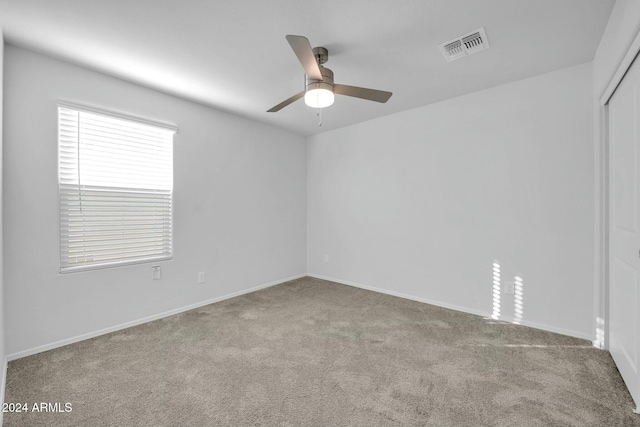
(601, 301)
(603, 173)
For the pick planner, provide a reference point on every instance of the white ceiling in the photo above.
(232, 54)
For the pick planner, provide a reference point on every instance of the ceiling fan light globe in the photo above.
(319, 98)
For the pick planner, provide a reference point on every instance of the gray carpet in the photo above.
(316, 353)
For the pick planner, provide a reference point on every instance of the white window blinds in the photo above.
(115, 186)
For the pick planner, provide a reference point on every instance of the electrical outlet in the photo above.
(508, 288)
(201, 278)
(326, 258)
(155, 272)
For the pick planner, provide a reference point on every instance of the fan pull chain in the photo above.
(319, 116)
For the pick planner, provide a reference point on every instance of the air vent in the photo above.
(467, 44)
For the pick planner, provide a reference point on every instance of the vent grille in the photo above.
(467, 44)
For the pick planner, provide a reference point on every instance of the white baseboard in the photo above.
(151, 318)
(140, 321)
(401, 295)
(554, 329)
(530, 324)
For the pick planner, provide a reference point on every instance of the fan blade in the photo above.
(362, 92)
(302, 48)
(283, 104)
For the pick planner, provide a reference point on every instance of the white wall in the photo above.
(422, 202)
(239, 207)
(621, 30)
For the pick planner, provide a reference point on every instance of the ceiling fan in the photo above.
(319, 87)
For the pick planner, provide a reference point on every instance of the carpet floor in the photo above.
(316, 353)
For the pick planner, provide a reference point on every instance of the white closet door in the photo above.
(624, 294)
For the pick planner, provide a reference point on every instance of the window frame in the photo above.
(120, 116)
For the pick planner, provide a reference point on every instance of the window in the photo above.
(115, 180)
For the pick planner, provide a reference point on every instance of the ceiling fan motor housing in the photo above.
(325, 83)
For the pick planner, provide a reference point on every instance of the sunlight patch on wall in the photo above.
(518, 305)
(499, 287)
(496, 291)
(599, 341)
